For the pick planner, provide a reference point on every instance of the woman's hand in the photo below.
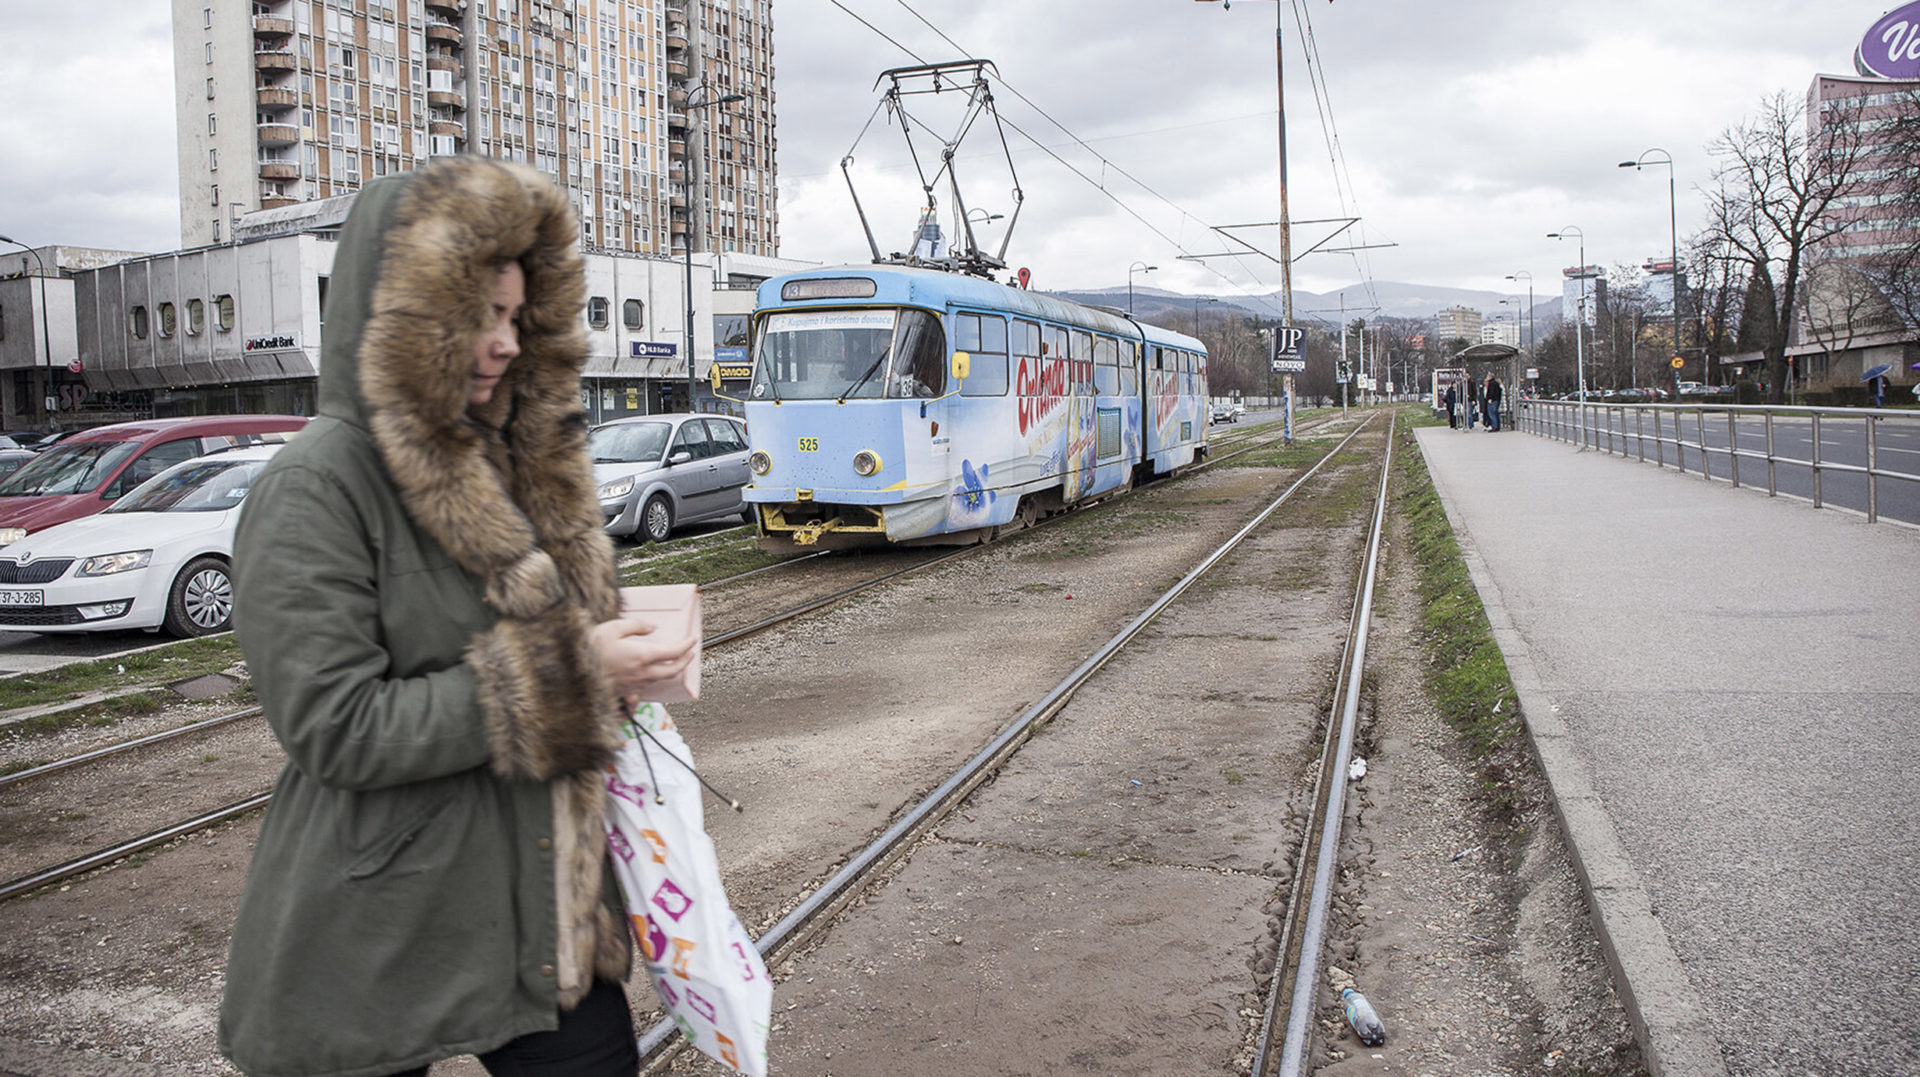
(631, 657)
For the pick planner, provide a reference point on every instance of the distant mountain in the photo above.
(1419, 302)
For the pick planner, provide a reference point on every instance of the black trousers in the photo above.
(595, 1039)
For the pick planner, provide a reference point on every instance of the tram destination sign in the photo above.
(1289, 349)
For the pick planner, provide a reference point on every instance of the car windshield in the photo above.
(68, 469)
(204, 486)
(850, 354)
(628, 443)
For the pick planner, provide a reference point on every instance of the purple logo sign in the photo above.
(1891, 49)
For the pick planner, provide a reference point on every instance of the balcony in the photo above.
(449, 64)
(447, 127)
(677, 97)
(446, 9)
(676, 121)
(676, 151)
(275, 99)
(279, 62)
(275, 201)
(278, 134)
(676, 69)
(446, 99)
(677, 201)
(445, 33)
(270, 26)
(676, 39)
(679, 226)
(279, 170)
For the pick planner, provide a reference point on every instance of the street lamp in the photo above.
(1673, 270)
(1580, 316)
(1196, 315)
(46, 342)
(1529, 276)
(696, 203)
(1140, 267)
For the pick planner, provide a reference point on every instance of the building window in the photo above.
(196, 317)
(137, 322)
(216, 194)
(597, 312)
(209, 52)
(213, 160)
(223, 312)
(209, 89)
(206, 18)
(168, 319)
(633, 314)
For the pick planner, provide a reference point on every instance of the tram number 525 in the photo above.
(809, 444)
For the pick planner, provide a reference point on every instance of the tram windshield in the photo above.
(851, 355)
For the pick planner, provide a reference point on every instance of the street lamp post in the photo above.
(1196, 315)
(1140, 267)
(1673, 270)
(696, 204)
(46, 342)
(1580, 317)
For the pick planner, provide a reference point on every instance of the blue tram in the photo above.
(897, 405)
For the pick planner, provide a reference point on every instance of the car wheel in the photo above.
(201, 600)
(749, 516)
(656, 518)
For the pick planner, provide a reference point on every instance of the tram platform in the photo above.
(1721, 688)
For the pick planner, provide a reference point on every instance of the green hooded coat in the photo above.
(415, 585)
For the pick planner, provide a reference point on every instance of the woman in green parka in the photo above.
(429, 612)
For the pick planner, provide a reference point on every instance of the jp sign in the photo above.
(1289, 349)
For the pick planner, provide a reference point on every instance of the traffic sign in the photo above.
(1677, 363)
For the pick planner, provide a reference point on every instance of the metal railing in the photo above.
(1750, 433)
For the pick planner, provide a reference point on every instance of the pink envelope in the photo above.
(674, 609)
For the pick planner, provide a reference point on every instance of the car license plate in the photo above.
(22, 598)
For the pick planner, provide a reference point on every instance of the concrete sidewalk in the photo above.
(1722, 690)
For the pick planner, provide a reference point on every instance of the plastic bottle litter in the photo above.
(1366, 1024)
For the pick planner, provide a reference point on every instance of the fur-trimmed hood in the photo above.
(507, 489)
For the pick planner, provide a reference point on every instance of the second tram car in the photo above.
(900, 405)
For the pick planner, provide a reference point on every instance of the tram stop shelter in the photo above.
(1500, 360)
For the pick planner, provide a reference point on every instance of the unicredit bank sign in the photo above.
(1891, 49)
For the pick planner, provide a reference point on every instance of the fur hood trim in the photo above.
(508, 490)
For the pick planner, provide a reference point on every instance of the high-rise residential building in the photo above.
(1662, 282)
(1879, 208)
(1459, 323)
(284, 101)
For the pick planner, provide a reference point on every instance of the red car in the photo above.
(87, 471)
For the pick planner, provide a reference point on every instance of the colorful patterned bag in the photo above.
(703, 964)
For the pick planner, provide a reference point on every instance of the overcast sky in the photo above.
(1467, 129)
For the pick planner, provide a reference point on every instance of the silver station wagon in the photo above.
(659, 472)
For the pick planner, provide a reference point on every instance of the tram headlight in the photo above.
(866, 462)
(759, 463)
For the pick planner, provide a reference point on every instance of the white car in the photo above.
(157, 558)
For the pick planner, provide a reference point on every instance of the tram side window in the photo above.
(1026, 352)
(1106, 366)
(984, 337)
(1056, 342)
(1159, 358)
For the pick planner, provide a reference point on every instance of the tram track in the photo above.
(816, 913)
(92, 859)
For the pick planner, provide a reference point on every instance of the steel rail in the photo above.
(125, 746)
(107, 856)
(1313, 927)
(661, 1042)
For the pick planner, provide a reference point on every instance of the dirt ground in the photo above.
(1117, 839)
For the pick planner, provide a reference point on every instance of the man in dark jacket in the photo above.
(1493, 396)
(429, 610)
(1453, 401)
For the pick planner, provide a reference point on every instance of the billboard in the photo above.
(1891, 47)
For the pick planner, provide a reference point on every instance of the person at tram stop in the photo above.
(428, 605)
(1878, 385)
(1473, 402)
(1493, 396)
(1452, 400)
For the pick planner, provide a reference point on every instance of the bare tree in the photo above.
(1776, 196)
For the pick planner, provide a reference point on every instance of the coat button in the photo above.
(546, 972)
(544, 844)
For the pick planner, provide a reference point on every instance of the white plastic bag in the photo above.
(705, 968)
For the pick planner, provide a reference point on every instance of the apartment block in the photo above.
(1458, 323)
(621, 101)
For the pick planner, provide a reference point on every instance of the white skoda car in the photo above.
(157, 558)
